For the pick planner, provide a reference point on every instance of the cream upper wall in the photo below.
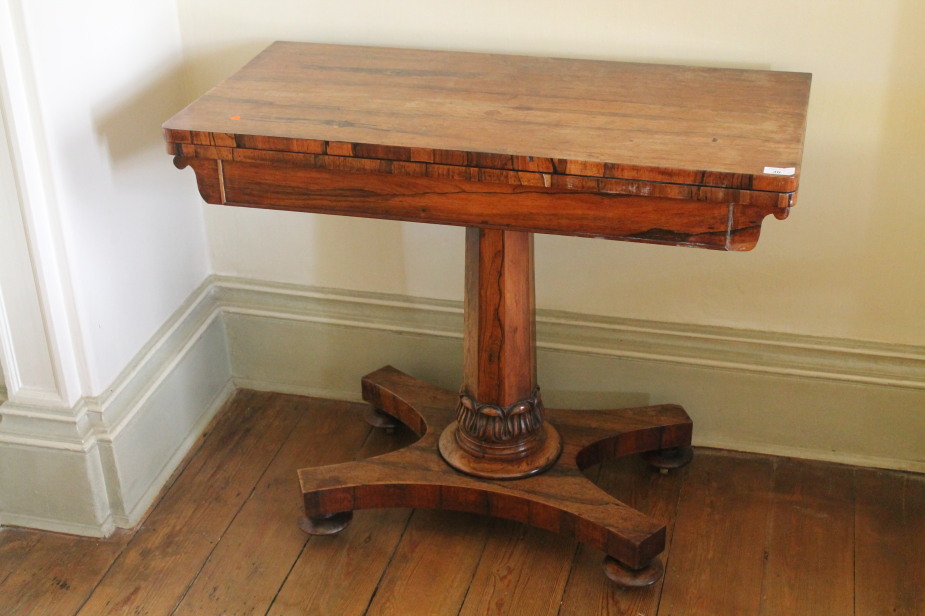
(848, 263)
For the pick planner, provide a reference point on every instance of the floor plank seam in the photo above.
(672, 521)
(305, 544)
(475, 569)
(282, 583)
(768, 535)
(568, 579)
(594, 477)
(208, 556)
(854, 550)
(14, 530)
(112, 564)
(215, 545)
(372, 597)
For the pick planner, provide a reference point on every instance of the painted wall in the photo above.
(113, 357)
(102, 76)
(848, 263)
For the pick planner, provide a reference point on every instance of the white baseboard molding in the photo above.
(102, 463)
(139, 505)
(819, 398)
(53, 488)
(58, 525)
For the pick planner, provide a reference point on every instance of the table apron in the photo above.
(679, 222)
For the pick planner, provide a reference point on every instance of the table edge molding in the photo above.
(514, 168)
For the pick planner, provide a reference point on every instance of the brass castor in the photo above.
(380, 419)
(669, 459)
(625, 577)
(326, 524)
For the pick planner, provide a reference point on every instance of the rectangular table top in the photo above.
(709, 127)
(675, 155)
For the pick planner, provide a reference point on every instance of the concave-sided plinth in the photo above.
(489, 449)
(561, 499)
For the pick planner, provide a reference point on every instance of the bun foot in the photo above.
(325, 524)
(625, 577)
(380, 419)
(669, 459)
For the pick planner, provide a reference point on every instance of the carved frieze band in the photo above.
(493, 424)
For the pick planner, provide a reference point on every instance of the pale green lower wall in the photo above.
(834, 400)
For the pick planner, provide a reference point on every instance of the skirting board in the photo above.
(817, 398)
(102, 463)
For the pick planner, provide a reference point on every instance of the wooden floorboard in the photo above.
(340, 574)
(747, 535)
(436, 545)
(59, 574)
(155, 569)
(890, 544)
(256, 552)
(809, 564)
(523, 570)
(720, 535)
(15, 546)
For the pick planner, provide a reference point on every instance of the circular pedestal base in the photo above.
(633, 578)
(494, 468)
(326, 525)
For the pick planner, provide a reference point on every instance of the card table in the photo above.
(505, 146)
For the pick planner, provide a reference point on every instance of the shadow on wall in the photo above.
(345, 252)
(132, 124)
